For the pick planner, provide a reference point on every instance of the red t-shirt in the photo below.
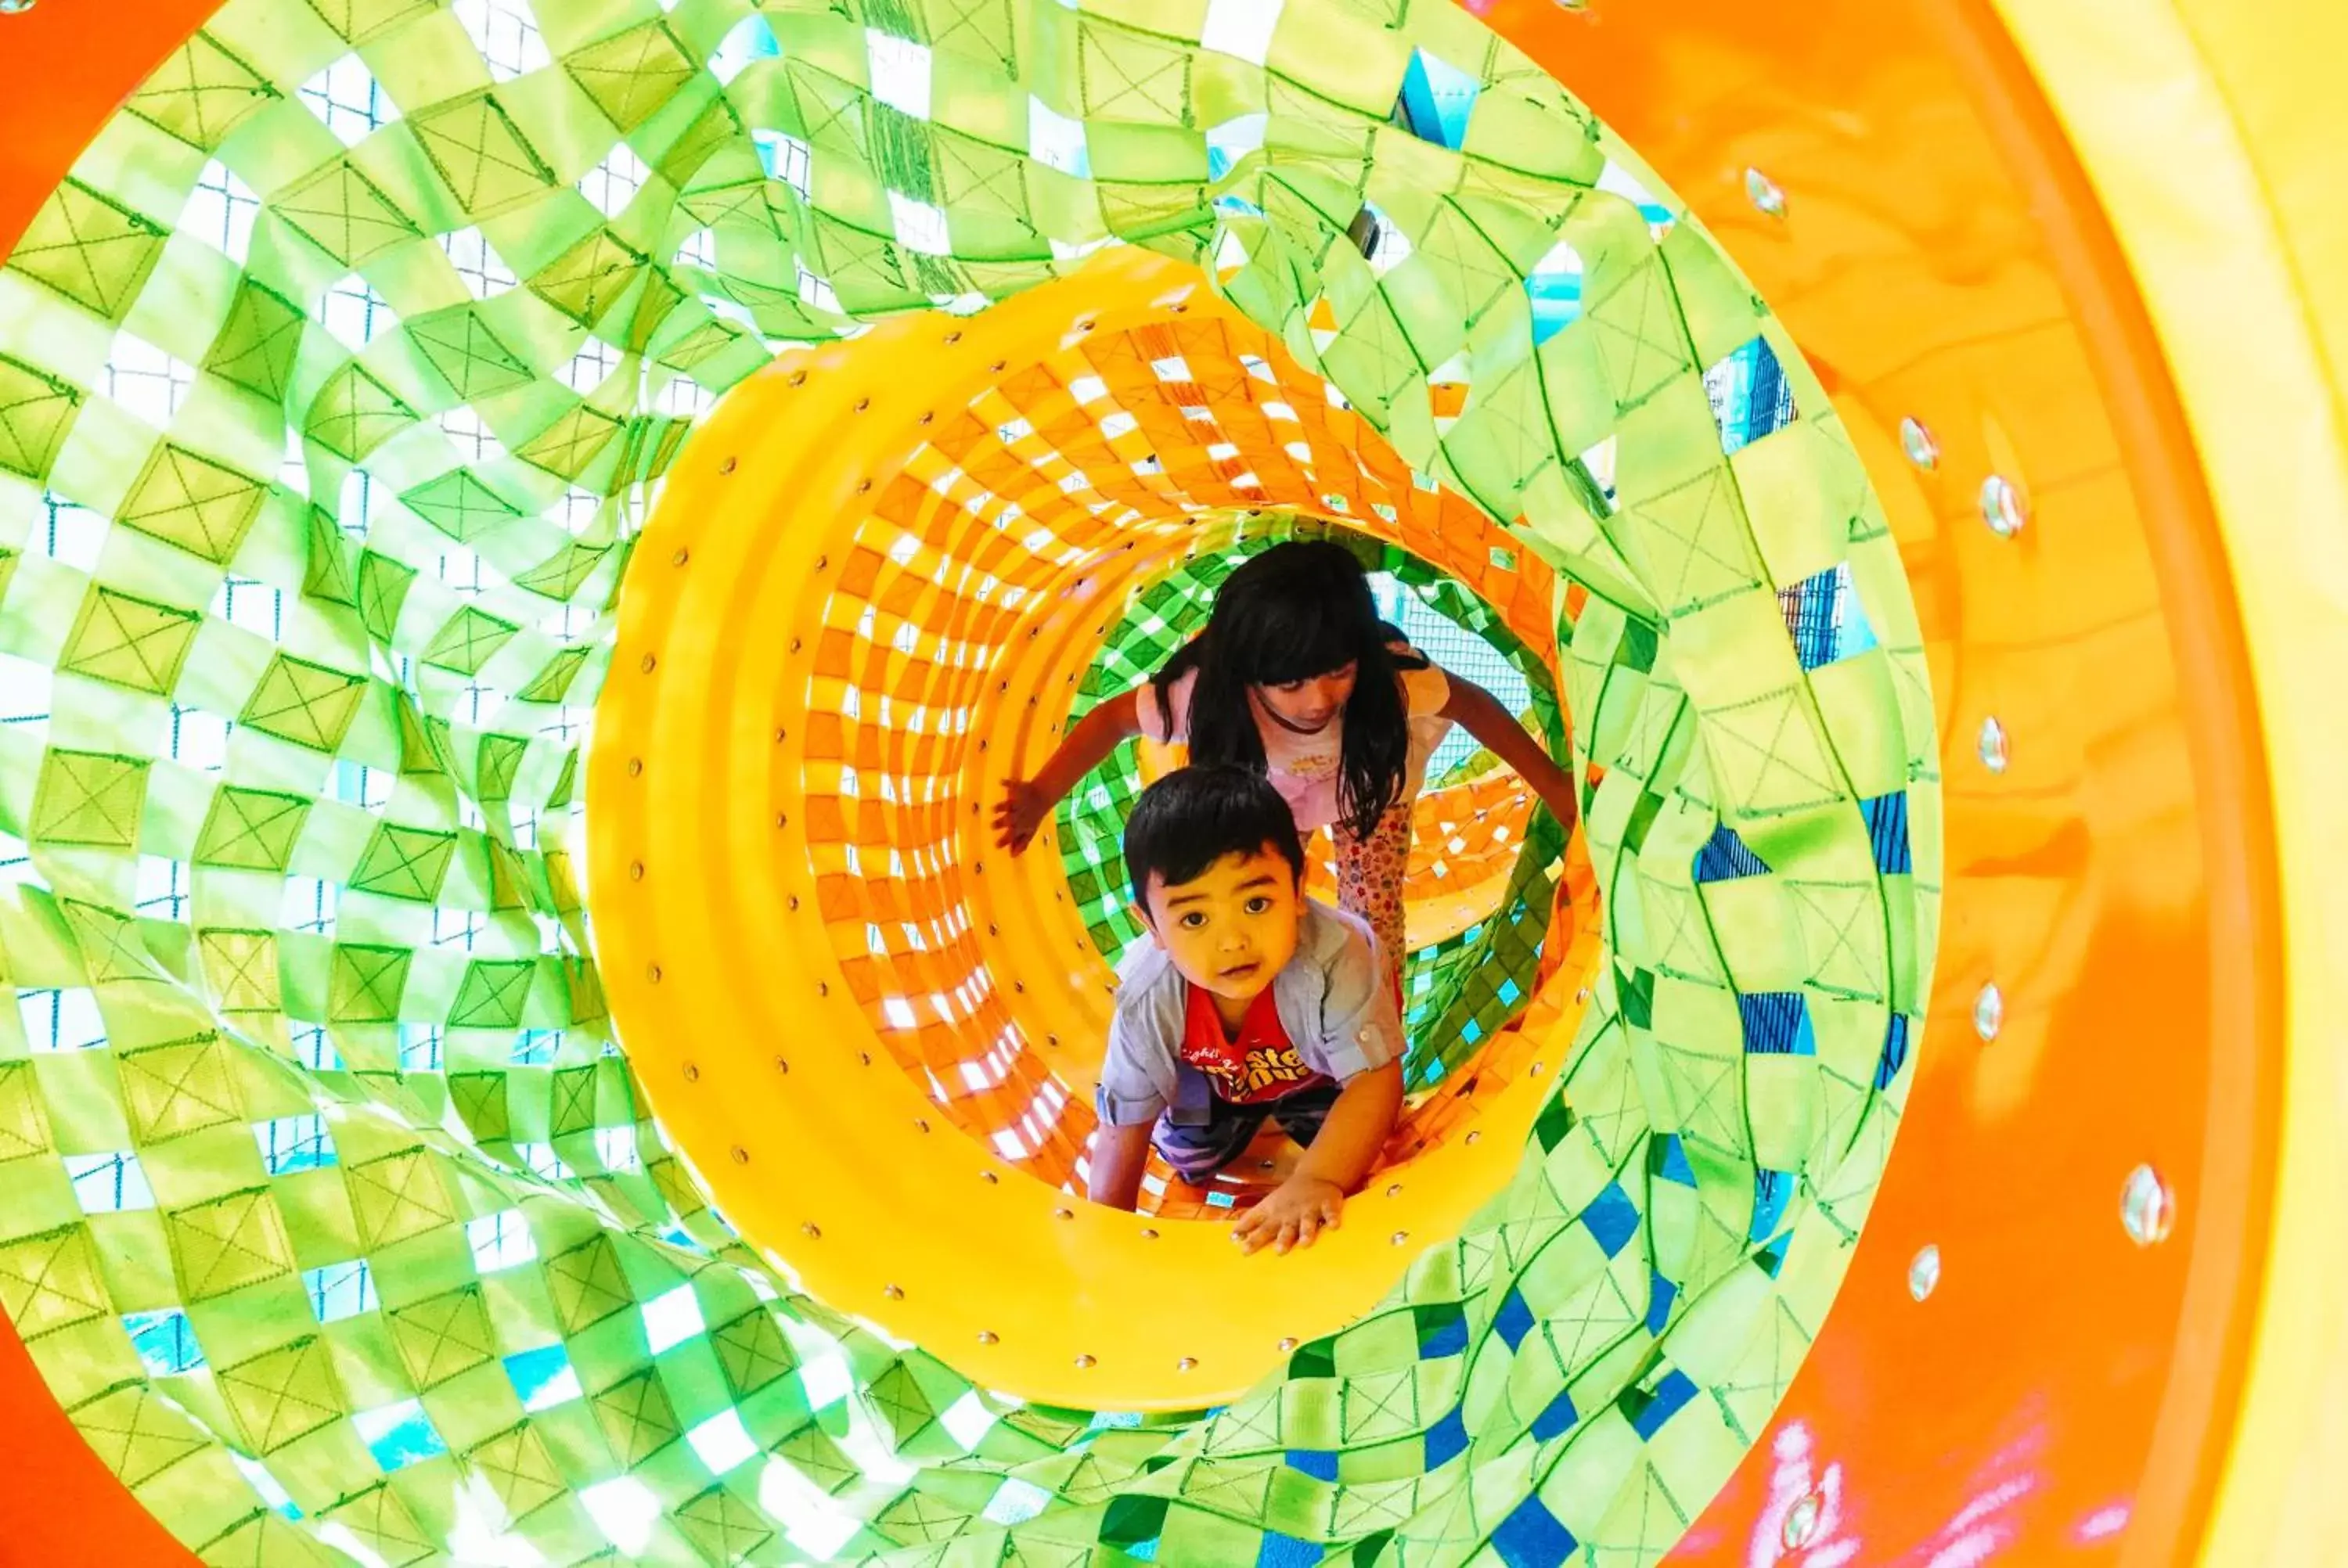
(1258, 1066)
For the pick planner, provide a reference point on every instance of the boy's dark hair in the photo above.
(1194, 817)
(1298, 610)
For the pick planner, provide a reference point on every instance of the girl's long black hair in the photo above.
(1301, 609)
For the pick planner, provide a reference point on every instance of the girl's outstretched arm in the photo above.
(1479, 712)
(1028, 802)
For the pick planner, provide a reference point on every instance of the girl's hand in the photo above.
(1020, 814)
(1291, 1214)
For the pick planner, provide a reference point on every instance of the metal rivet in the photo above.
(783, 1065)
(1917, 443)
(793, 903)
(1084, 326)
(2002, 508)
(1053, 1040)
(1186, 1364)
(1989, 1013)
(782, 819)
(636, 766)
(823, 988)
(927, 416)
(1394, 1191)
(692, 1073)
(1474, 1133)
(653, 973)
(795, 645)
(920, 1125)
(998, 364)
(650, 662)
(865, 1057)
(1764, 193)
(862, 404)
(1085, 1363)
(1801, 1521)
(863, 486)
(741, 1155)
(1991, 745)
(989, 1178)
(1064, 1213)
(779, 736)
(894, 1292)
(635, 871)
(727, 466)
(1924, 1271)
(798, 378)
(812, 1231)
(1147, 1233)
(954, 337)
(988, 1336)
(1400, 1238)
(2147, 1208)
(821, 562)
(1581, 995)
(682, 557)
(1286, 1346)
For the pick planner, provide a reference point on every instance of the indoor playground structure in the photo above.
(534, 532)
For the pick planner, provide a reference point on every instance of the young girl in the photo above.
(1296, 677)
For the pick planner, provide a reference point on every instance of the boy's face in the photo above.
(1230, 928)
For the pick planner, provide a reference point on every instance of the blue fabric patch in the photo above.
(1280, 1550)
(1613, 1218)
(1724, 858)
(1449, 1339)
(1772, 1191)
(1530, 1537)
(1447, 1438)
(1777, 1023)
(400, 1435)
(1557, 1417)
(1675, 1390)
(1556, 298)
(1661, 1294)
(1887, 828)
(1436, 98)
(1514, 1320)
(1673, 1166)
(1895, 1052)
(533, 1370)
(1319, 1463)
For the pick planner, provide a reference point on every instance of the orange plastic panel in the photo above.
(1939, 260)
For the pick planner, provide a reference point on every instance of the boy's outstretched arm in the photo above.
(1314, 1199)
(1028, 802)
(1119, 1156)
(1479, 712)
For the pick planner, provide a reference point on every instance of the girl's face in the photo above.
(1307, 706)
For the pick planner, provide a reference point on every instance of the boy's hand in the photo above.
(1019, 815)
(1296, 1211)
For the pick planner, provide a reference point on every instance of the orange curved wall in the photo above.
(1942, 257)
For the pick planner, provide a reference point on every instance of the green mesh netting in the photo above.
(1457, 993)
(334, 385)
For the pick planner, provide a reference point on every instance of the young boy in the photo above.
(1251, 1000)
